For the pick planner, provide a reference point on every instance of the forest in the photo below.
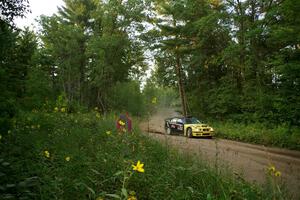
(234, 63)
(232, 59)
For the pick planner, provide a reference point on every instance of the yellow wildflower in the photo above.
(154, 100)
(63, 109)
(272, 169)
(56, 109)
(121, 123)
(138, 167)
(47, 154)
(67, 158)
(108, 132)
(278, 173)
(132, 195)
(132, 198)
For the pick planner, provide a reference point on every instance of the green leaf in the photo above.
(118, 173)
(113, 196)
(95, 171)
(124, 192)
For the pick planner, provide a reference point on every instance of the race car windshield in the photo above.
(192, 120)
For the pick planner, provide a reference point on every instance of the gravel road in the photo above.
(246, 160)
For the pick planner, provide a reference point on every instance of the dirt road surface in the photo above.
(247, 160)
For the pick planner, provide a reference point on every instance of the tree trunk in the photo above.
(82, 71)
(99, 100)
(180, 86)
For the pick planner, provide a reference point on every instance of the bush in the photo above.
(127, 96)
(280, 136)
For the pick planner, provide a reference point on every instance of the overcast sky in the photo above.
(38, 7)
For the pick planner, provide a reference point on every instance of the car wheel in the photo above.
(168, 131)
(189, 133)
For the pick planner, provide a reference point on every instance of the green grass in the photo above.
(277, 136)
(100, 165)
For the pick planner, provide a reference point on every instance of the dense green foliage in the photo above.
(241, 59)
(90, 49)
(89, 53)
(231, 59)
(235, 61)
(269, 135)
(55, 155)
(16, 52)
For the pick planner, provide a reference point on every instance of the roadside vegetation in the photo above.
(281, 136)
(63, 85)
(61, 155)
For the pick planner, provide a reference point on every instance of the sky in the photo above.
(38, 7)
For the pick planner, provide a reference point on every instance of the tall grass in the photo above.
(258, 133)
(82, 156)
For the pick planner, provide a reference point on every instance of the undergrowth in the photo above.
(277, 136)
(82, 156)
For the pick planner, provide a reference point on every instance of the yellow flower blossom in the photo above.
(154, 100)
(132, 198)
(277, 173)
(121, 123)
(63, 109)
(272, 169)
(56, 109)
(68, 158)
(47, 154)
(138, 167)
(108, 132)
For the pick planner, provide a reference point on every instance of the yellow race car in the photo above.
(188, 126)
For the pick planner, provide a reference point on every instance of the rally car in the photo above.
(188, 126)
